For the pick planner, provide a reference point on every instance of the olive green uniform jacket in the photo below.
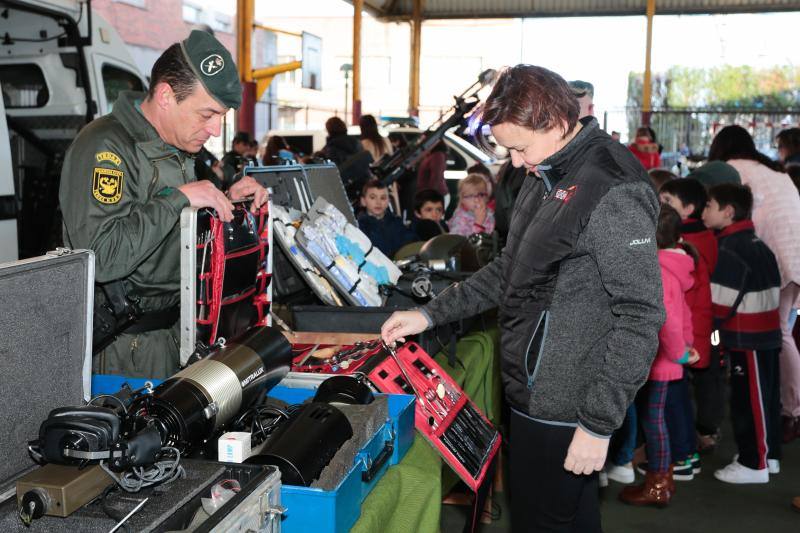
(119, 198)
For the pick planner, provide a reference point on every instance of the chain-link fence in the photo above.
(689, 132)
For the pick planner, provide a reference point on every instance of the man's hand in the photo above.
(586, 453)
(403, 323)
(247, 186)
(203, 194)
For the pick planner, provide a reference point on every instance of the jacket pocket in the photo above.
(542, 325)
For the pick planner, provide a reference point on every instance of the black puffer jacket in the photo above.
(341, 148)
(578, 286)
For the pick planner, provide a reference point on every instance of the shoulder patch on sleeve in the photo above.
(107, 185)
(108, 156)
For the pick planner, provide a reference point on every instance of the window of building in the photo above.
(137, 3)
(23, 86)
(222, 23)
(116, 80)
(191, 13)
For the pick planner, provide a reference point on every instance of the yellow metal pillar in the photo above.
(646, 89)
(245, 10)
(416, 47)
(358, 7)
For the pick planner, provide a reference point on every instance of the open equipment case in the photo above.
(226, 273)
(45, 313)
(225, 266)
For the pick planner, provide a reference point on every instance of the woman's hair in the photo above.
(734, 142)
(473, 180)
(369, 131)
(335, 127)
(668, 230)
(644, 131)
(397, 138)
(275, 144)
(529, 97)
(789, 140)
(668, 233)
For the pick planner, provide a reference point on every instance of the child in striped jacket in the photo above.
(745, 295)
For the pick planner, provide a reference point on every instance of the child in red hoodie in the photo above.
(645, 150)
(688, 196)
(674, 350)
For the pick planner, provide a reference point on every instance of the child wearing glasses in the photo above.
(473, 215)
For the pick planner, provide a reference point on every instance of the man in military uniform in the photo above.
(125, 180)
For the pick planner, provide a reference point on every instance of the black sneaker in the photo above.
(695, 459)
(682, 470)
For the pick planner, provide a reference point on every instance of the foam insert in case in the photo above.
(335, 511)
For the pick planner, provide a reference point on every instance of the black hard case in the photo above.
(46, 306)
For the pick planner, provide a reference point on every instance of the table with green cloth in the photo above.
(409, 496)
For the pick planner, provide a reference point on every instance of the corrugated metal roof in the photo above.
(448, 9)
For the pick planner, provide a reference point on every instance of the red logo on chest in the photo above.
(565, 195)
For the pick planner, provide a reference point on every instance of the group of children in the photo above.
(388, 233)
(721, 288)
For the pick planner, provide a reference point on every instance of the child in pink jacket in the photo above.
(674, 351)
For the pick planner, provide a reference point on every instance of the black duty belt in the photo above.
(154, 320)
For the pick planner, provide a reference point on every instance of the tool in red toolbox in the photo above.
(421, 398)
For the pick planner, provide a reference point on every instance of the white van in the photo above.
(61, 67)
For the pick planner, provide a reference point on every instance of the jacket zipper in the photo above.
(544, 317)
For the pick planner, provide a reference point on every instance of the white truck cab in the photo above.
(61, 66)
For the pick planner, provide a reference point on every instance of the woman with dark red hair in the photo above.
(579, 291)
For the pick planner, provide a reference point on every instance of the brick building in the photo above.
(148, 27)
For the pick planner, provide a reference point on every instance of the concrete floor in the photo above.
(703, 505)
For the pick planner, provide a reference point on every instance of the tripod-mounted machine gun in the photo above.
(391, 167)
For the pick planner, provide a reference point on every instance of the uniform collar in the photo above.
(692, 225)
(736, 227)
(129, 114)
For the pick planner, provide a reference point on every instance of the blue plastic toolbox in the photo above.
(315, 510)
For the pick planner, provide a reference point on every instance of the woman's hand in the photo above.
(694, 356)
(403, 323)
(586, 453)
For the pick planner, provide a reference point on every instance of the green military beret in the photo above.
(214, 67)
(714, 173)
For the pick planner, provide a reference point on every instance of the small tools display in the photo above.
(444, 414)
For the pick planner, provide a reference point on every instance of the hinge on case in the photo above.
(275, 512)
(59, 252)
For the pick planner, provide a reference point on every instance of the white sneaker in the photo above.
(621, 473)
(738, 473)
(602, 479)
(774, 466)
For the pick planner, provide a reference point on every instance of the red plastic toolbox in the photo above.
(444, 414)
